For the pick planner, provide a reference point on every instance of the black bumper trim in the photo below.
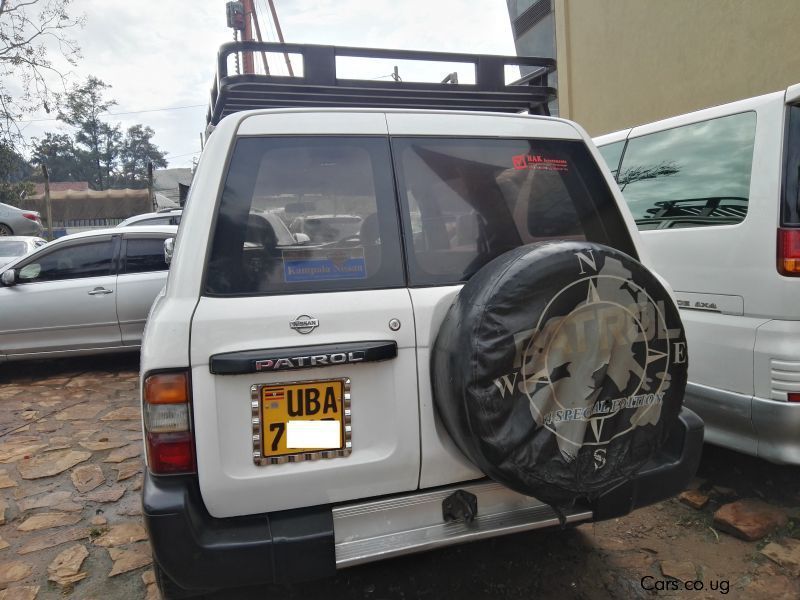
(663, 477)
(200, 552)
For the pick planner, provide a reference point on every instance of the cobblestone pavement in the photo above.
(70, 518)
(70, 475)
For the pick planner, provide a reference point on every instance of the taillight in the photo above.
(789, 252)
(167, 423)
(32, 216)
(793, 397)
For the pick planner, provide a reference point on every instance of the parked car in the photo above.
(14, 246)
(86, 293)
(168, 216)
(482, 341)
(715, 194)
(15, 221)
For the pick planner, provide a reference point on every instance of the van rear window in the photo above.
(791, 184)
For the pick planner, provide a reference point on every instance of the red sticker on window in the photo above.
(539, 163)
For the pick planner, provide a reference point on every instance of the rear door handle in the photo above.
(100, 291)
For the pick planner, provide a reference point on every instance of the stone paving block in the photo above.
(128, 559)
(5, 480)
(122, 534)
(44, 501)
(47, 521)
(23, 592)
(126, 413)
(121, 454)
(128, 469)
(79, 412)
(53, 539)
(66, 567)
(750, 519)
(14, 570)
(111, 494)
(85, 478)
(51, 463)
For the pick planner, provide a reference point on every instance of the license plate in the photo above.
(300, 420)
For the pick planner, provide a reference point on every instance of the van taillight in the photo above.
(167, 423)
(789, 252)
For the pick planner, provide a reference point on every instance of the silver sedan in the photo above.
(14, 246)
(85, 293)
(15, 221)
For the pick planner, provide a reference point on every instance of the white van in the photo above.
(715, 194)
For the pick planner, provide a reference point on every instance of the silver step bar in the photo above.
(379, 529)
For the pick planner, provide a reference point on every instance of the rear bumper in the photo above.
(777, 426)
(663, 477)
(199, 551)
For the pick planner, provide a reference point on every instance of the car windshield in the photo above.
(12, 248)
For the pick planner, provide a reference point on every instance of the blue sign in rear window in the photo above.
(321, 265)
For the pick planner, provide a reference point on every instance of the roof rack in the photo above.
(319, 85)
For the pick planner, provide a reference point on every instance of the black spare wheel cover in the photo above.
(560, 369)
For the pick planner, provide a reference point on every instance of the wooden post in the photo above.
(247, 35)
(47, 203)
(280, 35)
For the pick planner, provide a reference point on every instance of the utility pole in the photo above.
(280, 35)
(248, 68)
(150, 193)
(47, 203)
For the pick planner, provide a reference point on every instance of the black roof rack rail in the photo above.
(319, 85)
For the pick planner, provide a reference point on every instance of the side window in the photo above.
(144, 255)
(611, 153)
(791, 185)
(697, 175)
(306, 214)
(467, 201)
(73, 262)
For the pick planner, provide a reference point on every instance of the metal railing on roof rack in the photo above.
(319, 85)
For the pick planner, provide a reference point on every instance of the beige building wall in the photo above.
(627, 62)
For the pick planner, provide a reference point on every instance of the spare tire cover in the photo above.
(560, 369)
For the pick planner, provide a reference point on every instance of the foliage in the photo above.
(29, 80)
(97, 152)
(641, 173)
(13, 174)
(136, 151)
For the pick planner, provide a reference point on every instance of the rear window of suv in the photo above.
(317, 214)
(306, 214)
(467, 201)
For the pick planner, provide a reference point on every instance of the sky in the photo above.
(160, 54)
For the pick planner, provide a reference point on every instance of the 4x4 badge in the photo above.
(304, 324)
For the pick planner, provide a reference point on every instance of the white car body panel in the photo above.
(740, 314)
(393, 418)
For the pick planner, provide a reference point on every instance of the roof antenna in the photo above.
(396, 74)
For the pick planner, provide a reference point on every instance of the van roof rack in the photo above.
(319, 86)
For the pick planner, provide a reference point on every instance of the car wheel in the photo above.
(5, 229)
(560, 369)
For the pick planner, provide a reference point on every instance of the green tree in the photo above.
(137, 151)
(83, 106)
(64, 160)
(27, 73)
(13, 174)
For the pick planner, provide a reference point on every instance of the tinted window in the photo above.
(692, 176)
(306, 214)
(791, 187)
(467, 201)
(72, 262)
(145, 254)
(611, 153)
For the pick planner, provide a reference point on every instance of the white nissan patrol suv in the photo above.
(486, 353)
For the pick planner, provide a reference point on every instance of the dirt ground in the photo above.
(70, 524)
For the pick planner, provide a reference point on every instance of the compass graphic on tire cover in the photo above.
(595, 370)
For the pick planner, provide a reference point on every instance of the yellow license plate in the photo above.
(303, 420)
